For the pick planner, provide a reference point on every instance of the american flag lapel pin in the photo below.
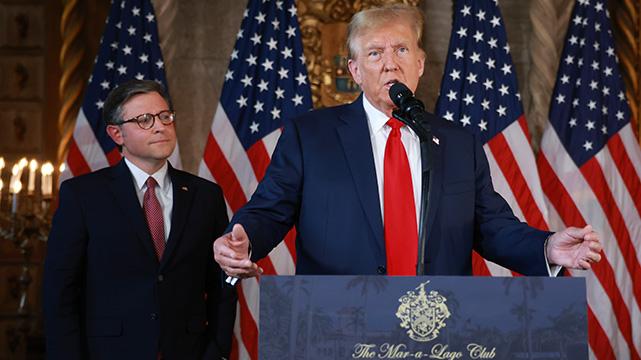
(184, 188)
(436, 140)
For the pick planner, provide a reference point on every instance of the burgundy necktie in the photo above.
(153, 213)
(401, 235)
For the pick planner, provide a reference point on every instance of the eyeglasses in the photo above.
(146, 121)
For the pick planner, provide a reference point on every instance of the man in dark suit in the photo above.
(349, 179)
(129, 272)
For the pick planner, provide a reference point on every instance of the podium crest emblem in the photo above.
(423, 314)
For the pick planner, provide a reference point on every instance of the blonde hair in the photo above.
(365, 20)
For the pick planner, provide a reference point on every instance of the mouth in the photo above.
(159, 141)
(389, 84)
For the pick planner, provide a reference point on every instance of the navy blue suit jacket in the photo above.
(106, 295)
(322, 179)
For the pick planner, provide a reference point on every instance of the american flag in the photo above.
(480, 93)
(129, 49)
(265, 83)
(590, 165)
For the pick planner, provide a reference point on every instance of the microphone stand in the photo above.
(424, 133)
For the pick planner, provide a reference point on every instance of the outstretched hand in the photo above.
(231, 252)
(575, 248)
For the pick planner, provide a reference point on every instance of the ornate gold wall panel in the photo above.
(324, 30)
(627, 32)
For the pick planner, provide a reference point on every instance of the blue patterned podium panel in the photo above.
(429, 317)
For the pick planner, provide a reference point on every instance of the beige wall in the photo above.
(200, 35)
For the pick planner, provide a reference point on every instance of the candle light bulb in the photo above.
(1, 163)
(62, 168)
(46, 169)
(47, 183)
(23, 163)
(31, 185)
(16, 187)
(15, 169)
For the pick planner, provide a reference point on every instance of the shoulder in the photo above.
(198, 182)
(88, 181)
(325, 117)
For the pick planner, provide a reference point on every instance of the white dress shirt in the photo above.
(379, 132)
(164, 191)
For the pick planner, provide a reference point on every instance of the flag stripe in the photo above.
(515, 179)
(223, 174)
(248, 323)
(627, 172)
(75, 161)
(517, 137)
(500, 183)
(259, 159)
(230, 147)
(598, 338)
(281, 259)
(557, 194)
(479, 266)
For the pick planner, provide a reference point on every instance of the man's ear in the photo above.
(115, 133)
(354, 70)
(421, 63)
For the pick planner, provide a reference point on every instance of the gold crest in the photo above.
(421, 314)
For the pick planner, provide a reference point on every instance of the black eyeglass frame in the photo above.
(141, 118)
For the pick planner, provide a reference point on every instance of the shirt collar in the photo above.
(140, 177)
(375, 118)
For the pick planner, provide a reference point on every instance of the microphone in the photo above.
(404, 99)
(411, 110)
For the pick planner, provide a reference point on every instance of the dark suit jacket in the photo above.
(323, 180)
(106, 296)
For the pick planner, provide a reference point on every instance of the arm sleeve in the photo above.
(64, 282)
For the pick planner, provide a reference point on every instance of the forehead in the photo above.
(387, 34)
(144, 103)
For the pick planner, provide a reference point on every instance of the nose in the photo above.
(159, 126)
(389, 61)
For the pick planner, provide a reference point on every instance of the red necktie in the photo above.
(153, 213)
(401, 236)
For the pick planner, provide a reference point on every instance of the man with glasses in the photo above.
(129, 273)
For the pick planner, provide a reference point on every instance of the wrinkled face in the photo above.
(148, 149)
(385, 55)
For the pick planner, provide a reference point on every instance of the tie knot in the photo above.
(151, 182)
(394, 124)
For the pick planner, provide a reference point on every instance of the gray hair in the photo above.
(368, 19)
(112, 108)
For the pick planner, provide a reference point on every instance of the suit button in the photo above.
(381, 270)
(154, 316)
(161, 278)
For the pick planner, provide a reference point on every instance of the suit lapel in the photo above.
(355, 139)
(436, 181)
(122, 186)
(183, 195)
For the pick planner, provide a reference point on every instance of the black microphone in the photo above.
(404, 99)
(411, 110)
